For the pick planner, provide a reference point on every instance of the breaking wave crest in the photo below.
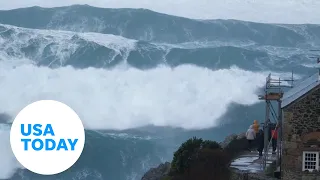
(122, 70)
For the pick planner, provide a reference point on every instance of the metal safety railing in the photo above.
(265, 155)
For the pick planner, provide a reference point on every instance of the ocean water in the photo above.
(141, 81)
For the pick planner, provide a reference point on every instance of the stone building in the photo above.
(300, 154)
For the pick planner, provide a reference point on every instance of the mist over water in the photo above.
(138, 89)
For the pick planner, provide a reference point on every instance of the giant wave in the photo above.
(127, 72)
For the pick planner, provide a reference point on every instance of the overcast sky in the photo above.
(274, 11)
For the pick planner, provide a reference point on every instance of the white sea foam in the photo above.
(124, 97)
(8, 163)
(187, 96)
(120, 98)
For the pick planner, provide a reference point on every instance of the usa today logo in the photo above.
(47, 137)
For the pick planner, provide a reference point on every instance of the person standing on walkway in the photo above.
(260, 139)
(250, 135)
(274, 134)
(256, 126)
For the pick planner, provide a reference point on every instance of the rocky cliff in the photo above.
(157, 173)
(161, 172)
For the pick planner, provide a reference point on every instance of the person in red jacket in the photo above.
(274, 134)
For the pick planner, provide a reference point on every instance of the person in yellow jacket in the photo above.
(256, 126)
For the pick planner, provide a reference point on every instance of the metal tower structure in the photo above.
(273, 94)
(316, 57)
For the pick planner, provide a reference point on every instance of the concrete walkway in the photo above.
(251, 162)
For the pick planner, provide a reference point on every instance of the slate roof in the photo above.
(300, 89)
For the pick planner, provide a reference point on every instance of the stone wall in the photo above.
(300, 125)
(301, 175)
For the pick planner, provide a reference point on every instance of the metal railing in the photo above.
(265, 155)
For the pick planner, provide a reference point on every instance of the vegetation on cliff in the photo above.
(189, 151)
(204, 159)
(198, 159)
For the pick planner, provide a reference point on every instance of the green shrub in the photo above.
(211, 144)
(206, 164)
(209, 164)
(167, 178)
(183, 156)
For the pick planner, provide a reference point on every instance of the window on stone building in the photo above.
(310, 161)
